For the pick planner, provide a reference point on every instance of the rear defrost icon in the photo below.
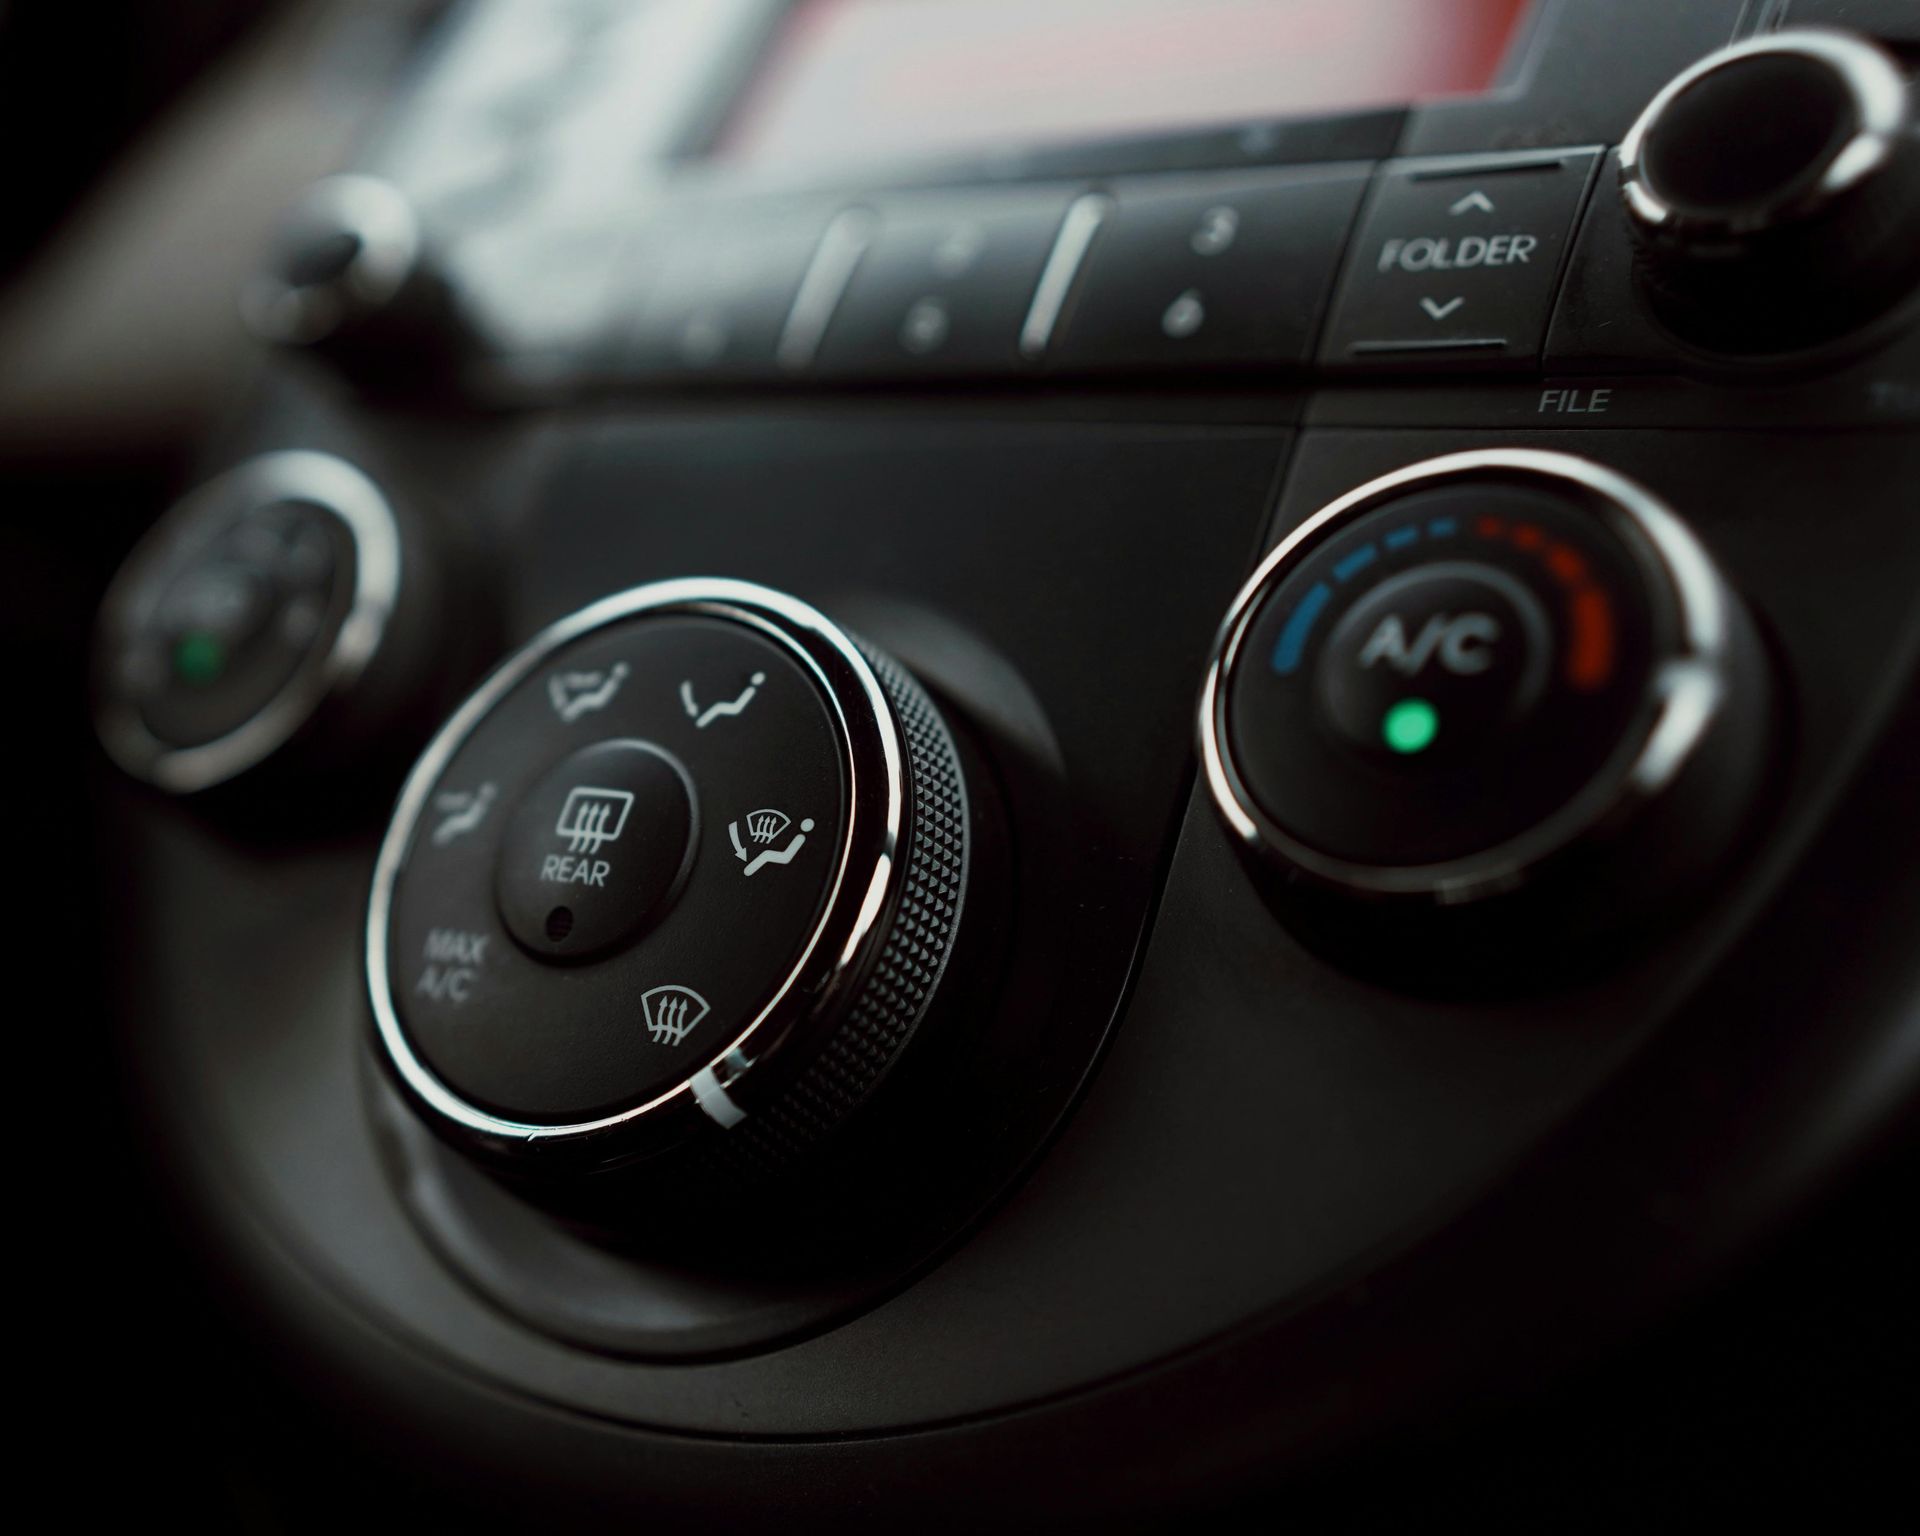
(593, 817)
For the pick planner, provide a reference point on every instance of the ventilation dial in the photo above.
(1491, 673)
(689, 865)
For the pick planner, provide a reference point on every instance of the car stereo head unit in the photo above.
(846, 192)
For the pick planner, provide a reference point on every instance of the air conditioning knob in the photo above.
(686, 869)
(1774, 191)
(1489, 676)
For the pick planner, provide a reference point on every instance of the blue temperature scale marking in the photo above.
(1291, 648)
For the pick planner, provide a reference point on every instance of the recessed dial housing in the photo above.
(647, 878)
(1463, 674)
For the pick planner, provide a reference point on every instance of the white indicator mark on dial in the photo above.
(761, 830)
(672, 1012)
(574, 694)
(726, 708)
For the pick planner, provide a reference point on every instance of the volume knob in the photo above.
(1774, 191)
(352, 276)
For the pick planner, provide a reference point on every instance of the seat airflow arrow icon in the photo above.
(1473, 200)
(1441, 311)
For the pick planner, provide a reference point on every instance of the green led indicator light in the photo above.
(1410, 726)
(199, 658)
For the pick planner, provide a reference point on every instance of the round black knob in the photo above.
(688, 865)
(1490, 672)
(249, 615)
(1774, 189)
(349, 273)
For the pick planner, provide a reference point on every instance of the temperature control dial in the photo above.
(262, 609)
(691, 862)
(1479, 670)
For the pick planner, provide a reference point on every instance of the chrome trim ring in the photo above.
(184, 530)
(1688, 689)
(1871, 77)
(851, 928)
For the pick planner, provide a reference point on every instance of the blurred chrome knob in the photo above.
(1774, 190)
(349, 273)
(261, 617)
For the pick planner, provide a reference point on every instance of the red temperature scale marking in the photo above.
(856, 79)
(1591, 628)
(1590, 625)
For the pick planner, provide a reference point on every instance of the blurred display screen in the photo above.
(871, 79)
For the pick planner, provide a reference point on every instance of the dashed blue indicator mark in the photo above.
(1292, 644)
(1291, 648)
(1355, 563)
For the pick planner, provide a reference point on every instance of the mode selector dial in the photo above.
(1774, 190)
(688, 864)
(1491, 672)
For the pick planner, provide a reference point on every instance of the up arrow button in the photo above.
(1455, 261)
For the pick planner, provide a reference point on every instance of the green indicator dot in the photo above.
(199, 657)
(1410, 726)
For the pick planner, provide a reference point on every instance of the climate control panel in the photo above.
(756, 1035)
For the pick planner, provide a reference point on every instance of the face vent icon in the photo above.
(765, 825)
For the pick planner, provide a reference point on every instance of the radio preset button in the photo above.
(1210, 272)
(718, 306)
(1457, 261)
(944, 287)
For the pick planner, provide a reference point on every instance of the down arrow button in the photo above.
(1492, 229)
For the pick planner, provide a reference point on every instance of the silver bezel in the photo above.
(1879, 92)
(846, 936)
(184, 529)
(1689, 683)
